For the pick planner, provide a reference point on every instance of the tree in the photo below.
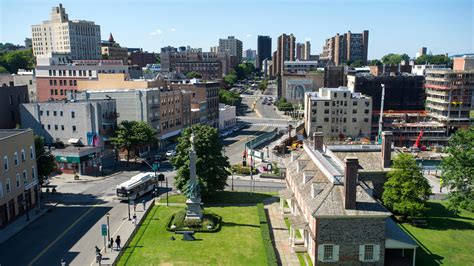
(458, 170)
(395, 59)
(229, 97)
(44, 160)
(375, 62)
(357, 63)
(283, 105)
(406, 190)
(3, 69)
(263, 85)
(433, 59)
(211, 164)
(14, 60)
(245, 71)
(131, 135)
(231, 78)
(193, 74)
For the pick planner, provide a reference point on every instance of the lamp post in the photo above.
(167, 203)
(128, 203)
(108, 227)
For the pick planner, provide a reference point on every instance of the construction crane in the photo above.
(418, 140)
(379, 136)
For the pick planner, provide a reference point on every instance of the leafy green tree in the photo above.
(375, 62)
(193, 74)
(394, 59)
(229, 97)
(211, 164)
(44, 160)
(231, 78)
(3, 69)
(158, 58)
(283, 105)
(357, 63)
(406, 190)
(245, 71)
(458, 170)
(20, 59)
(433, 59)
(131, 135)
(263, 85)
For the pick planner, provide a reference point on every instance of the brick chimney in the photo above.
(350, 182)
(387, 139)
(318, 140)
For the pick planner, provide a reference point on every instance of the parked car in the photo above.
(170, 153)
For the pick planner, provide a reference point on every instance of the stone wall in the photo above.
(349, 233)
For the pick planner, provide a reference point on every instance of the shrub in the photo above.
(267, 241)
(242, 170)
(178, 219)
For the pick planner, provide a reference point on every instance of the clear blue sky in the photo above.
(395, 26)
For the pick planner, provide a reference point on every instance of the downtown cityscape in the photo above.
(237, 133)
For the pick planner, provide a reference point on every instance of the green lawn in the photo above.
(447, 238)
(239, 242)
(225, 197)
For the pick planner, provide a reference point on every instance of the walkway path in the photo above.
(280, 234)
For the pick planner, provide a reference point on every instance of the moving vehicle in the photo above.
(170, 153)
(137, 186)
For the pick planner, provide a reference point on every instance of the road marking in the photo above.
(61, 236)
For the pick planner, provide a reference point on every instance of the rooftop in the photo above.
(8, 133)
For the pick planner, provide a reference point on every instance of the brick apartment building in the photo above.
(11, 97)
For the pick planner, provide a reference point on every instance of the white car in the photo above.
(170, 153)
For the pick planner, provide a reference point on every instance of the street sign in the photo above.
(104, 230)
(156, 166)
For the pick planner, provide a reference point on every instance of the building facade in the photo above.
(227, 117)
(11, 97)
(111, 50)
(294, 86)
(89, 122)
(79, 38)
(338, 113)
(300, 66)
(285, 52)
(142, 59)
(209, 65)
(231, 46)
(18, 176)
(264, 50)
(349, 47)
(27, 78)
(57, 76)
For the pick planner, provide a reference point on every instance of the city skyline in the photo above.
(151, 25)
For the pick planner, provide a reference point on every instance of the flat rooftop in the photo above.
(7, 133)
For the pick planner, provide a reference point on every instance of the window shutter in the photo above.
(321, 252)
(335, 253)
(361, 252)
(376, 252)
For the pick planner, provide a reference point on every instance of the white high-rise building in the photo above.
(79, 38)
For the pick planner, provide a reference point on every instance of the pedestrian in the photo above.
(134, 206)
(144, 205)
(100, 170)
(117, 241)
(134, 219)
(111, 243)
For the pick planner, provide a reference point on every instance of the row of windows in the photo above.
(8, 186)
(62, 82)
(56, 127)
(55, 113)
(367, 253)
(6, 165)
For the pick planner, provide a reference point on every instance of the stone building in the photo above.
(330, 204)
(18, 176)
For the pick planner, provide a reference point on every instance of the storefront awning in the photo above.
(170, 134)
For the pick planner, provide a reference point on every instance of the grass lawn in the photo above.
(225, 197)
(447, 238)
(239, 242)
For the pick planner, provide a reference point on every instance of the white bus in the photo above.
(137, 186)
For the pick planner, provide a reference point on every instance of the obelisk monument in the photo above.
(194, 210)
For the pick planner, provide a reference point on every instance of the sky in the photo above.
(403, 26)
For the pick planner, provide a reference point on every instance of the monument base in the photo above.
(194, 210)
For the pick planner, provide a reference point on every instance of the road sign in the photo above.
(156, 166)
(104, 230)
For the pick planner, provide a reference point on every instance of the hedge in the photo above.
(217, 219)
(267, 240)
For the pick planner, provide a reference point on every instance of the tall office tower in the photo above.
(79, 38)
(264, 49)
(285, 51)
(231, 46)
(348, 47)
(299, 51)
(307, 51)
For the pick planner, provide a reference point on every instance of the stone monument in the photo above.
(194, 210)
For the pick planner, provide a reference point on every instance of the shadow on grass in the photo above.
(230, 224)
(424, 255)
(236, 197)
(438, 217)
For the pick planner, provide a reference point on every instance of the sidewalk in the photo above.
(280, 235)
(47, 202)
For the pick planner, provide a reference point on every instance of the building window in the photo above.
(62, 127)
(326, 103)
(366, 111)
(60, 113)
(15, 157)
(18, 182)
(32, 152)
(354, 103)
(354, 120)
(326, 119)
(33, 173)
(73, 128)
(369, 253)
(1, 190)
(23, 156)
(55, 127)
(47, 113)
(5, 163)
(49, 127)
(7, 185)
(55, 113)
(326, 111)
(73, 114)
(366, 120)
(328, 249)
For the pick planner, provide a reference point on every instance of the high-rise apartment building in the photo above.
(264, 49)
(209, 65)
(307, 51)
(285, 52)
(79, 38)
(231, 46)
(250, 54)
(299, 51)
(345, 48)
(449, 93)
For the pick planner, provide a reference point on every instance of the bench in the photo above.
(187, 235)
(419, 223)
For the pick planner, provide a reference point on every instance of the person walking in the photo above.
(117, 241)
(134, 219)
(135, 206)
(144, 205)
(111, 243)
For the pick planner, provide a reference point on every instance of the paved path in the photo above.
(280, 235)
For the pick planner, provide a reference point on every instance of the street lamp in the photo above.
(108, 227)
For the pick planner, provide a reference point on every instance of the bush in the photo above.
(242, 170)
(178, 219)
(267, 241)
